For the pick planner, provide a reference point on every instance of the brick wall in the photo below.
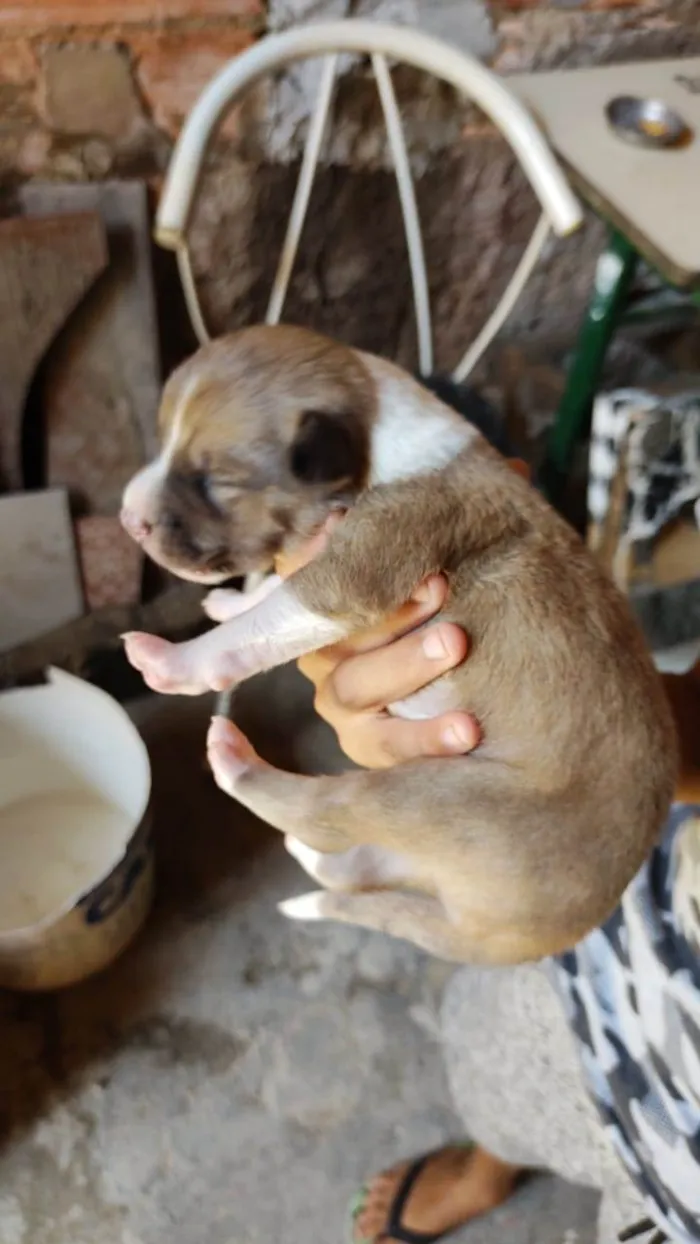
(95, 88)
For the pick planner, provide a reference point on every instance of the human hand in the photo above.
(356, 679)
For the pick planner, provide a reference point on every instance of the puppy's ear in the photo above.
(327, 449)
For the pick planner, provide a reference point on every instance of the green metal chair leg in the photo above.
(614, 272)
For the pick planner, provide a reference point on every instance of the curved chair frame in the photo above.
(561, 211)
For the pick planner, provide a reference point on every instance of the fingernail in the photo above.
(434, 646)
(424, 592)
(458, 736)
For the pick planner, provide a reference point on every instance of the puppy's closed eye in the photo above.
(200, 482)
(222, 491)
(326, 449)
(215, 490)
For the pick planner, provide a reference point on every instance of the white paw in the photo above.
(305, 907)
(225, 603)
(190, 668)
(341, 870)
(310, 860)
(165, 667)
(229, 753)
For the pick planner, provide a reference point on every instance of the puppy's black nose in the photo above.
(137, 528)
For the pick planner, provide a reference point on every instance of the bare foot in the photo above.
(456, 1185)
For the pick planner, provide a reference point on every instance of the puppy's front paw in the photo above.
(337, 870)
(229, 753)
(225, 603)
(171, 669)
(153, 658)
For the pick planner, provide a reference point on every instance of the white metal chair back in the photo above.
(561, 211)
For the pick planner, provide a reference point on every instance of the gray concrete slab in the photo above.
(233, 1078)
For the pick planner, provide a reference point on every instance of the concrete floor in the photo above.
(233, 1077)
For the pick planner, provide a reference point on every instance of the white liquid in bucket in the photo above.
(54, 848)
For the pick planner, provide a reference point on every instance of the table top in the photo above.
(652, 196)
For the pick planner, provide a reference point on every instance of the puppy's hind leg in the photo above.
(284, 800)
(457, 841)
(270, 794)
(306, 810)
(363, 867)
(380, 818)
(416, 918)
(310, 810)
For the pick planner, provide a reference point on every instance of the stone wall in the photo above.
(95, 88)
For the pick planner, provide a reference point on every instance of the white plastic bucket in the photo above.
(76, 864)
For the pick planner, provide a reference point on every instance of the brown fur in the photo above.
(519, 849)
(579, 754)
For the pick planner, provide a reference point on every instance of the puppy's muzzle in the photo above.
(136, 527)
(140, 502)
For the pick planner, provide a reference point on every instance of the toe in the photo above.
(229, 753)
(147, 653)
(371, 1218)
(156, 660)
(224, 731)
(225, 766)
(169, 668)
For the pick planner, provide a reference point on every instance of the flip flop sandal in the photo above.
(394, 1230)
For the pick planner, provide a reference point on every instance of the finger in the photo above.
(427, 599)
(380, 742)
(374, 679)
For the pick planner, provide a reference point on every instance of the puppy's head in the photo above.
(263, 432)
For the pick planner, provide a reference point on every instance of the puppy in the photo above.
(505, 855)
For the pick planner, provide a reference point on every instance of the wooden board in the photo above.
(39, 584)
(46, 266)
(650, 194)
(102, 383)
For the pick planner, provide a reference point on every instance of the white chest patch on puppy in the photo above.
(177, 423)
(413, 433)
